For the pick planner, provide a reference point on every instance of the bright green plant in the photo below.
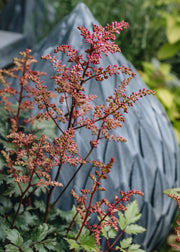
(171, 21)
(158, 76)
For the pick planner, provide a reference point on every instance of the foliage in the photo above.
(172, 25)
(29, 219)
(158, 76)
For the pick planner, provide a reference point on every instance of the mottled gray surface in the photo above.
(149, 160)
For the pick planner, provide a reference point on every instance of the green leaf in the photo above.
(135, 248)
(67, 215)
(4, 226)
(6, 203)
(108, 232)
(50, 244)
(166, 97)
(40, 248)
(29, 250)
(125, 243)
(40, 233)
(87, 241)
(40, 205)
(175, 191)
(14, 237)
(132, 213)
(168, 50)
(72, 243)
(26, 246)
(134, 229)
(11, 248)
(2, 176)
(121, 220)
(173, 28)
(25, 220)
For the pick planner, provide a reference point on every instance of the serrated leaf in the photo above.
(72, 243)
(11, 248)
(7, 204)
(67, 215)
(40, 248)
(26, 219)
(134, 229)
(132, 213)
(121, 221)
(12, 189)
(14, 237)
(26, 246)
(125, 243)
(135, 248)
(87, 241)
(40, 205)
(2, 176)
(50, 244)
(40, 233)
(4, 226)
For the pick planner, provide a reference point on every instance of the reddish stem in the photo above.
(116, 240)
(87, 211)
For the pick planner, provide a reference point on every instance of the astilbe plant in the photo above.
(28, 156)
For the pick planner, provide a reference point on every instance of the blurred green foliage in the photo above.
(158, 76)
(154, 25)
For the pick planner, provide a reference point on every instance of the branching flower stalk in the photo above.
(70, 85)
(31, 158)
